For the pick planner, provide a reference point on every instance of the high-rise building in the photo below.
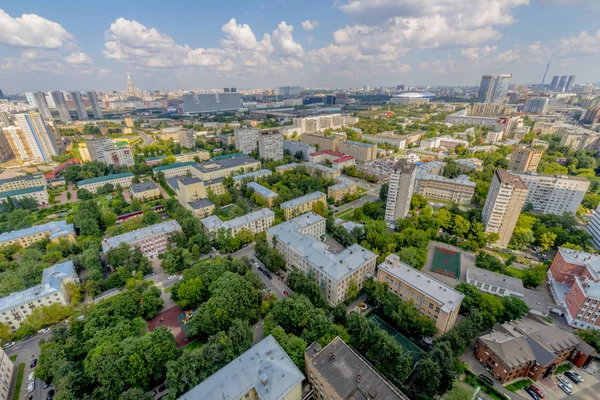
(132, 90)
(525, 159)
(493, 88)
(79, 106)
(1, 95)
(503, 205)
(562, 83)
(6, 152)
(554, 83)
(287, 91)
(36, 137)
(17, 143)
(5, 119)
(593, 228)
(536, 105)
(570, 82)
(246, 139)
(187, 138)
(402, 184)
(91, 95)
(592, 116)
(270, 145)
(198, 103)
(61, 105)
(39, 99)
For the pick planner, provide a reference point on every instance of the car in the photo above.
(252, 261)
(538, 391)
(577, 375)
(572, 377)
(45, 330)
(269, 276)
(532, 393)
(50, 394)
(46, 385)
(8, 345)
(487, 379)
(564, 382)
(81, 318)
(286, 293)
(27, 337)
(31, 387)
(33, 363)
(30, 377)
(261, 269)
(565, 389)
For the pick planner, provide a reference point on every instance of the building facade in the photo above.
(270, 145)
(95, 104)
(61, 105)
(187, 138)
(79, 106)
(6, 151)
(340, 189)
(294, 147)
(525, 159)
(264, 193)
(593, 228)
(402, 183)
(145, 191)
(6, 373)
(124, 179)
(39, 194)
(536, 105)
(52, 231)
(321, 142)
(152, 240)
(362, 152)
(36, 137)
(494, 283)
(493, 88)
(246, 139)
(176, 169)
(301, 205)
(22, 182)
(39, 98)
(196, 103)
(254, 222)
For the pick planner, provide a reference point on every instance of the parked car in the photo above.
(50, 394)
(30, 377)
(532, 393)
(286, 293)
(564, 382)
(487, 379)
(269, 276)
(45, 330)
(565, 389)
(27, 337)
(8, 345)
(30, 387)
(46, 385)
(538, 391)
(572, 377)
(577, 375)
(33, 363)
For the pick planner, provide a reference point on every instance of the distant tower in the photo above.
(79, 106)
(91, 95)
(1, 95)
(61, 105)
(132, 90)
(40, 102)
(546, 72)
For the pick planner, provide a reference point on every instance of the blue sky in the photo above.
(258, 44)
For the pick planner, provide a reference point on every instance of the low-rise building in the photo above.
(145, 191)
(293, 147)
(302, 204)
(321, 142)
(176, 169)
(6, 373)
(469, 164)
(494, 283)
(15, 307)
(52, 231)
(152, 240)
(201, 208)
(39, 194)
(287, 167)
(250, 176)
(186, 157)
(340, 163)
(266, 194)
(340, 189)
(432, 298)
(325, 172)
(298, 241)
(322, 155)
(22, 182)
(224, 166)
(255, 222)
(124, 180)
(430, 184)
(362, 152)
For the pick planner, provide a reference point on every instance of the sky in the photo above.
(204, 44)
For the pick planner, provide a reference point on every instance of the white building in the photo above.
(593, 228)
(187, 138)
(402, 183)
(39, 194)
(94, 184)
(255, 222)
(36, 137)
(246, 139)
(270, 145)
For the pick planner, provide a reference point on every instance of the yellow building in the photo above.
(525, 159)
(321, 142)
(339, 190)
(264, 193)
(52, 231)
(145, 191)
(362, 152)
(302, 205)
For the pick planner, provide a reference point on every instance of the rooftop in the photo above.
(20, 192)
(495, 279)
(263, 191)
(353, 143)
(214, 223)
(321, 168)
(143, 187)
(200, 203)
(303, 199)
(330, 152)
(139, 234)
(105, 178)
(286, 167)
(253, 174)
(21, 178)
(509, 179)
(56, 229)
(448, 297)
(224, 162)
(173, 166)
(342, 183)
(265, 367)
(343, 159)
(552, 176)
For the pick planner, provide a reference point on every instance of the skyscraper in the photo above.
(270, 145)
(6, 152)
(493, 88)
(536, 105)
(40, 102)
(562, 83)
(17, 143)
(79, 106)
(61, 105)
(570, 82)
(1, 95)
(91, 95)
(36, 137)
(402, 184)
(554, 83)
(132, 90)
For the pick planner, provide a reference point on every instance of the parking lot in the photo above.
(551, 391)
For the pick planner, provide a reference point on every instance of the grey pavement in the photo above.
(147, 139)
(357, 203)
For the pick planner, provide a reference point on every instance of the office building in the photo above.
(321, 142)
(293, 147)
(39, 194)
(431, 297)
(362, 152)
(187, 138)
(145, 191)
(270, 145)
(61, 105)
(288, 91)
(124, 180)
(16, 307)
(196, 103)
(264, 193)
(299, 242)
(39, 99)
(554, 194)
(494, 283)
(530, 348)
(6, 151)
(402, 184)
(264, 371)
(503, 204)
(302, 204)
(343, 187)
(562, 83)
(238, 180)
(152, 240)
(6, 372)
(493, 88)
(79, 106)
(536, 105)
(52, 231)
(95, 104)
(35, 137)
(525, 159)
(254, 222)
(593, 228)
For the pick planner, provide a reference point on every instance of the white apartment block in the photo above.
(402, 184)
(36, 137)
(246, 139)
(187, 138)
(176, 169)
(593, 228)
(554, 194)
(270, 145)
(152, 240)
(119, 157)
(255, 222)
(22, 182)
(299, 242)
(94, 184)
(319, 124)
(39, 194)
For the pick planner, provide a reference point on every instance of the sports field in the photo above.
(412, 349)
(446, 262)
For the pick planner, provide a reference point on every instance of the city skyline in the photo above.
(342, 43)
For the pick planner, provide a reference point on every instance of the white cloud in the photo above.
(284, 41)
(582, 44)
(309, 25)
(475, 53)
(78, 58)
(526, 54)
(440, 66)
(31, 30)
(241, 37)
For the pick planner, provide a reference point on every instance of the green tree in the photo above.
(84, 194)
(190, 293)
(353, 290)
(514, 308)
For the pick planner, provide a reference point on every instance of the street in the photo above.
(146, 138)
(357, 203)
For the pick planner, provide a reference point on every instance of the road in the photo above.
(590, 393)
(357, 203)
(146, 138)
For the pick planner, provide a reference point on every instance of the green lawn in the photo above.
(343, 213)
(516, 272)
(19, 383)
(348, 215)
(14, 358)
(194, 345)
(563, 368)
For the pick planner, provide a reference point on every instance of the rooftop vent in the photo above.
(331, 357)
(269, 351)
(357, 378)
(264, 379)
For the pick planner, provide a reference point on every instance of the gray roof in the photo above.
(56, 228)
(254, 174)
(303, 199)
(265, 367)
(22, 178)
(143, 187)
(342, 183)
(214, 222)
(139, 234)
(320, 167)
(285, 167)
(218, 164)
(350, 375)
(263, 191)
(200, 203)
(495, 279)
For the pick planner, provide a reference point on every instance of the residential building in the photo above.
(16, 307)
(554, 194)
(6, 151)
(430, 296)
(39, 194)
(152, 240)
(287, 167)
(145, 191)
(40, 102)
(493, 137)
(176, 169)
(340, 189)
(390, 138)
(362, 152)
(493, 88)
(79, 106)
(35, 137)
(322, 155)
(6, 119)
(201, 208)
(288, 91)
(338, 372)
(488, 110)
(119, 157)
(462, 118)
(447, 142)
(593, 228)
(324, 171)
(185, 157)
(270, 145)
(529, 348)
(302, 204)
(97, 148)
(224, 166)
(196, 103)
(264, 371)
(124, 180)
(6, 374)
(299, 242)
(536, 105)
(91, 95)
(340, 163)
(562, 83)
(254, 222)
(293, 147)
(503, 204)
(402, 184)
(187, 138)
(525, 159)
(469, 164)
(246, 139)
(430, 184)
(494, 283)
(225, 138)
(266, 194)
(61, 105)
(52, 231)
(250, 176)
(322, 123)
(321, 142)
(22, 182)
(592, 116)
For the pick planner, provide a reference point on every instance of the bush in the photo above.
(513, 387)
(563, 368)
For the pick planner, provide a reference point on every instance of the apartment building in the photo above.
(224, 166)
(119, 157)
(430, 184)
(287, 167)
(187, 138)
(432, 298)
(299, 242)
(255, 222)
(186, 157)
(505, 200)
(488, 110)
(402, 184)
(250, 176)
(336, 371)
(16, 307)
(536, 105)
(554, 194)
(176, 169)
(322, 123)
(34, 137)
(577, 138)
(469, 164)
(264, 371)
(390, 138)
(593, 228)
(124, 179)
(6, 373)
(340, 189)
(525, 159)
(6, 151)
(270, 145)
(293, 147)
(325, 172)
(104, 150)
(39, 194)
(52, 231)
(447, 142)
(340, 163)
(246, 139)
(362, 152)
(321, 142)
(22, 182)
(302, 204)
(152, 240)
(266, 194)
(145, 191)
(201, 208)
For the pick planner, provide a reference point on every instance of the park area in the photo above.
(412, 349)
(175, 319)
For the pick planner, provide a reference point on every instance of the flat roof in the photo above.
(330, 152)
(554, 176)
(506, 178)
(134, 236)
(263, 191)
(21, 178)
(321, 168)
(20, 192)
(56, 229)
(342, 183)
(353, 143)
(214, 222)
(444, 294)
(218, 163)
(303, 199)
(253, 174)
(104, 178)
(200, 203)
(286, 167)
(343, 159)
(143, 187)
(173, 166)
(495, 279)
